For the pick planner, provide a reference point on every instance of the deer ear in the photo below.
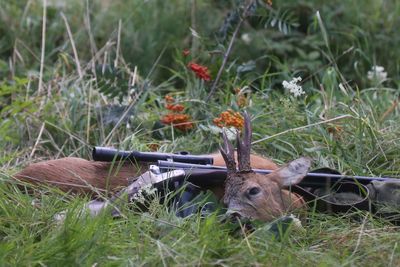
(293, 172)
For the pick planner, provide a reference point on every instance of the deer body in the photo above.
(78, 175)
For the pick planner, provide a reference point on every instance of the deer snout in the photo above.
(233, 215)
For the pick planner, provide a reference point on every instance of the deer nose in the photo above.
(233, 214)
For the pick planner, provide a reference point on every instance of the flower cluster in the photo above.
(293, 87)
(201, 72)
(377, 73)
(179, 121)
(169, 99)
(175, 107)
(175, 118)
(170, 104)
(229, 118)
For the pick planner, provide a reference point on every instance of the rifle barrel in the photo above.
(312, 179)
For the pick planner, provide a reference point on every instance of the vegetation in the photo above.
(119, 73)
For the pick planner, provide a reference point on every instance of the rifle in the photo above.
(172, 171)
(198, 167)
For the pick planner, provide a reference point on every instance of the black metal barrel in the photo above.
(111, 154)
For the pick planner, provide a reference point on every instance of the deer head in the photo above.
(252, 195)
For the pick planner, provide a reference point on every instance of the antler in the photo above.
(244, 145)
(228, 154)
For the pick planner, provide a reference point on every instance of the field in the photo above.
(156, 76)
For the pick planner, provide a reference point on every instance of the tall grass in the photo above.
(345, 121)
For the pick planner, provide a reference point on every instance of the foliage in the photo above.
(130, 57)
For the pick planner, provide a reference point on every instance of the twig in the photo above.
(89, 30)
(392, 256)
(360, 236)
(193, 26)
(161, 253)
(89, 113)
(97, 57)
(37, 140)
(229, 50)
(302, 128)
(27, 6)
(243, 229)
(78, 65)
(29, 50)
(390, 110)
(118, 44)
(44, 18)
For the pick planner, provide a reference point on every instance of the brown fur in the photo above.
(273, 201)
(79, 175)
(82, 176)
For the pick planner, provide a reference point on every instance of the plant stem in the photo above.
(229, 50)
(44, 18)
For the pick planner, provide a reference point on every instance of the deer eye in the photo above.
(254, 191)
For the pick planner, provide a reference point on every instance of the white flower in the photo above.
(377, 73)
(296, 222)
(146, 190)
(246, 38)
(229, 131)
(60, 217)
(194, 33)
(214, 129)
(293, 87)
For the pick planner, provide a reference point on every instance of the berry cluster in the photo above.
(201, 72)
(175, 118)
(229, 118)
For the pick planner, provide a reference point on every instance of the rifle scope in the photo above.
(111, 154)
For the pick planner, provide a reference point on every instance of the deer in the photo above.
(245, 193)
(256, 196)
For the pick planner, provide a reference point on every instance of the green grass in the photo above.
(332, 54)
